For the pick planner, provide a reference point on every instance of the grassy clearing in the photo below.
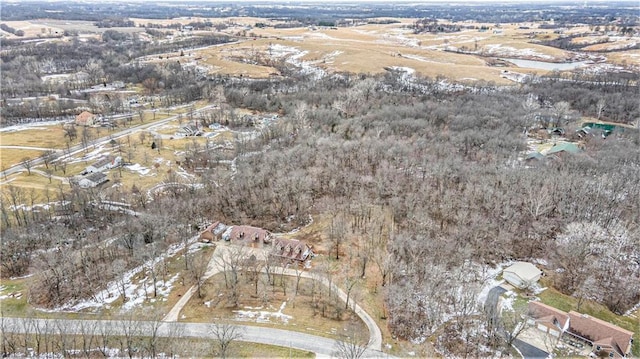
(371, 48)
(625, 58)
(285, 309)
(12, 156)
(357, 51)
(45, 137)
(254, 350)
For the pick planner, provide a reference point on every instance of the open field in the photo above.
(13, 156)
(372, 48)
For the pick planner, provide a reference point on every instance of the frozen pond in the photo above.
(542, 65)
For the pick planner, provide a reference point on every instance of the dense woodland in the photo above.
(561, 13)
(445, 166)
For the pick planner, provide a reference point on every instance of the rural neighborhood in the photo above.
(314, 180)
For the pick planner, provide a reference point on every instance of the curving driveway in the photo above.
(375, 336)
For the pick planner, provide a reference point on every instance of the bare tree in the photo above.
(225, 335)
(150, 329)
(131, 332)
(48, 157)
(27, 163)
(600, 106)
(561, 111)
(198, 268)
(88, 336)
(351, 345)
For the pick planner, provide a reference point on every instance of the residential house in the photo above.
(252, 236)
(292, 250)
(548, 319)
(188, 130)
(213, 232)
(93, 180)
(521, 274)
(605, 337)
(85, 118)
(103, 164)
(580, 329)
(564, 147)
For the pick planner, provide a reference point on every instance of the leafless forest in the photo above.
(423, 182)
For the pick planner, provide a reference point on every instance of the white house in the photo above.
(103, 164)
(92, 180)
(521, 274)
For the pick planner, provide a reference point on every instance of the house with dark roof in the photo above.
(93, 180)
(247, 235)
(605, 338)
(103, 164)
(548, 319)
(213, 232)
(291, 250)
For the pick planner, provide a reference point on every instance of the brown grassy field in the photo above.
(372, 48)
(272, 307)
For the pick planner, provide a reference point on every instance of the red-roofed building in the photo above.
(291, 250)
(549, 319)
(252, 236)
(85, 118)
(213, 232)
(605, 338)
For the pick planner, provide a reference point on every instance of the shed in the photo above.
(521, 274)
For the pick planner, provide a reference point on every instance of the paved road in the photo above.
(101, 141)
(375, 335)
(28, 148)
(323, 347)
(528, 351)
(491, 304)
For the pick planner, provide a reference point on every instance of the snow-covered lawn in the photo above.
(136, 167)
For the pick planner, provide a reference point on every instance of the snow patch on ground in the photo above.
(501, 50)
(138, 168)
(508, 300)
(418, 58)
(32, 126)
(262, 316)
(136, 291)
(94, 155)
(294, 57)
